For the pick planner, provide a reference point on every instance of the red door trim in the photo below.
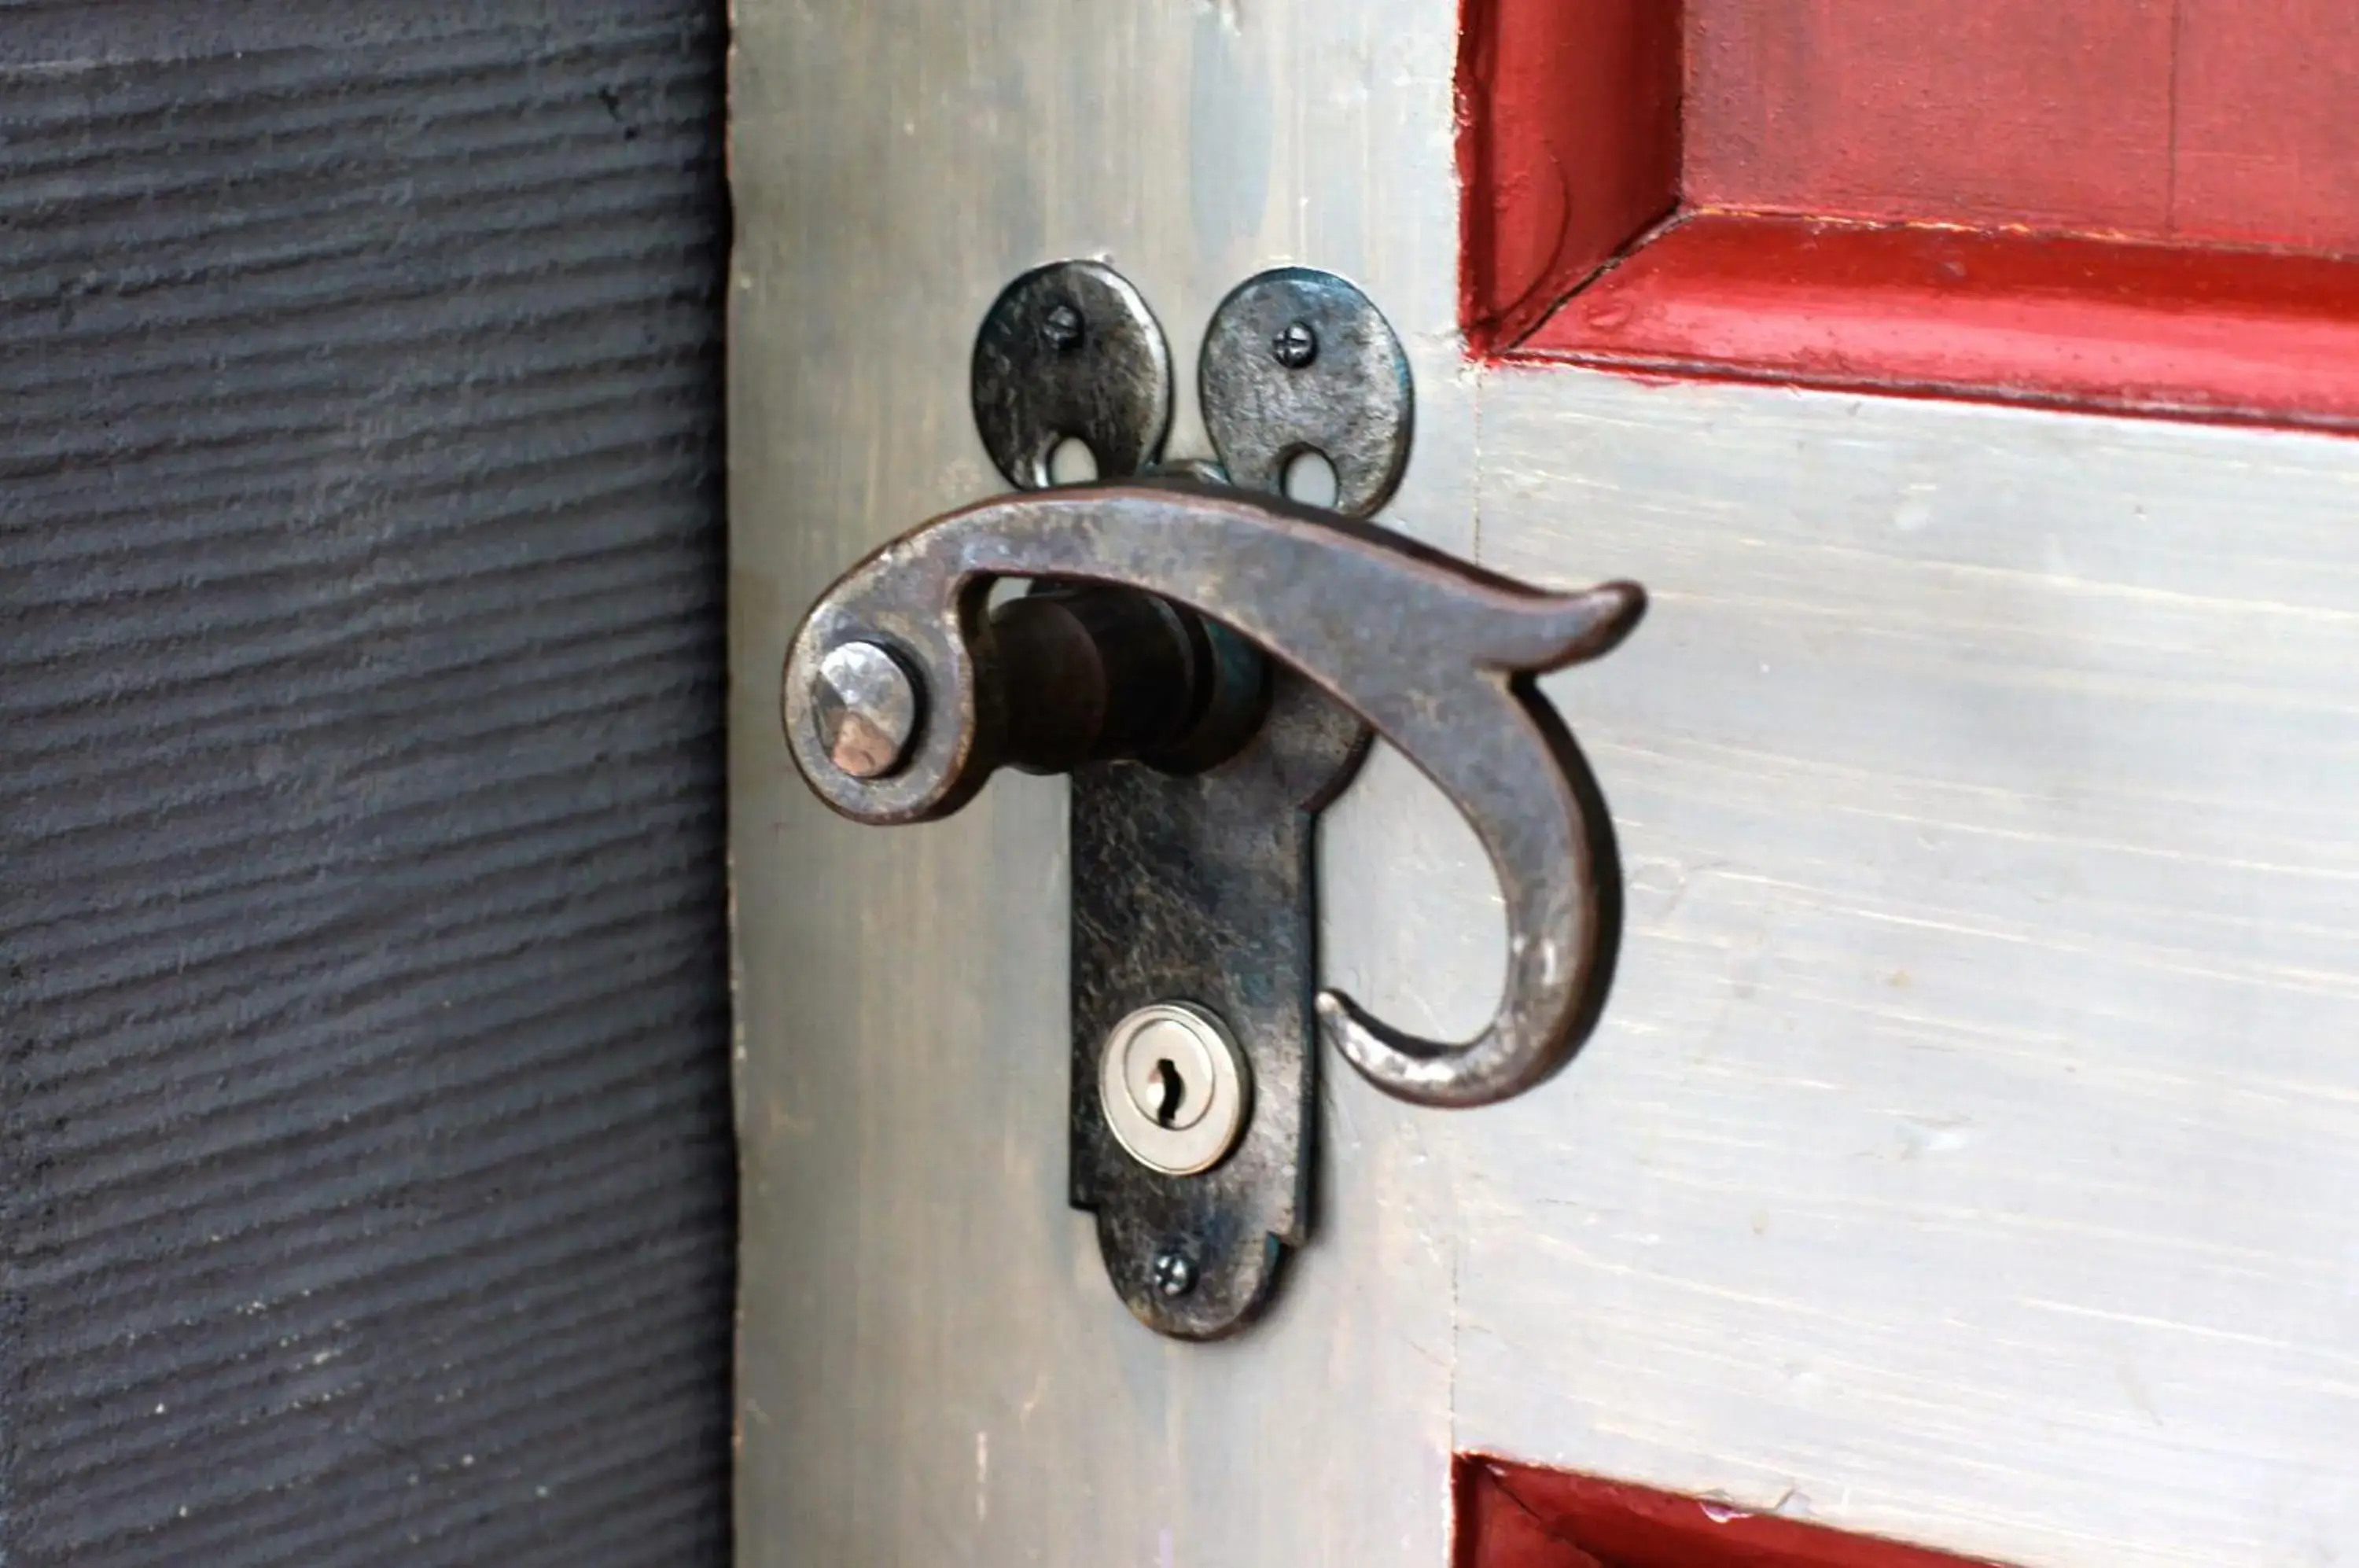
(2061, 321)
(1520, 1516)
(1575, 251)
(1568, 146)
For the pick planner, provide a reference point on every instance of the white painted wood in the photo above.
(1972, 1149)
(1971, 1153)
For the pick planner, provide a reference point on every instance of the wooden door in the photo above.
(1969, 1155)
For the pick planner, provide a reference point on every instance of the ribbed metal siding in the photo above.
(367, 1174)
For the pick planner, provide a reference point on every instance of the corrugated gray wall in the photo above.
(367, 1173)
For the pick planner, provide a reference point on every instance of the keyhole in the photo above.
(1073, 463)
(1173, 1089)
(1311, 479)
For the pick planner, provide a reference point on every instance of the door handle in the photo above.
(1439, 657)
(1202, 653)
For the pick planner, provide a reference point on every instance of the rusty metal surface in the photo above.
(1299, 361)
(1105, 674)
(365, 1147)
(1200, 888)
(1206, 663)
(1439, 656)
(1190, 890)
(1071, 350)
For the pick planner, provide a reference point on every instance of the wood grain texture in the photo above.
(364, 1157)
(1965, 1154)
(931, 1363)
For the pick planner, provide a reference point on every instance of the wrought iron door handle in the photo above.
(1438, 656)
(1208, 658)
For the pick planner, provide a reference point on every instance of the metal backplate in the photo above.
(1299, 361)
(1200, 889)
(1071, 351)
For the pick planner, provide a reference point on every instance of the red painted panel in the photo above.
(2079, 322)
(2268, 122)
(2206, 123)
(2051, 113)
(1493, 1530)
(1569, 145)
(1518, 1516)
(2194, 119)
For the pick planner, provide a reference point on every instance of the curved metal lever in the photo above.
(1439, 656)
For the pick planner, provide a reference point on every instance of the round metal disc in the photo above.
(1301, 361)
(1071, 351)
(1188, 1122)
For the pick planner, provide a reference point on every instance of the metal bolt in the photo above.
(1175, 1273)
(866, 706)
(1295, 346)
(1062, 326)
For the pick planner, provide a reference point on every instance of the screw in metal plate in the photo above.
(1263, 405)
(1295, 346)
(1175, 1273)
(865, 705)
(1061, 325)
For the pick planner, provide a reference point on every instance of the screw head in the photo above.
(1175, 1272)
(1061, 325)
(1295, 345)
(865, 705)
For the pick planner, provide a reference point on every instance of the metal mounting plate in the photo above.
(1071, 350)
(1200, 889)
(1299, 361)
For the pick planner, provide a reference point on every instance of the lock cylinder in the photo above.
(1174, 1087)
